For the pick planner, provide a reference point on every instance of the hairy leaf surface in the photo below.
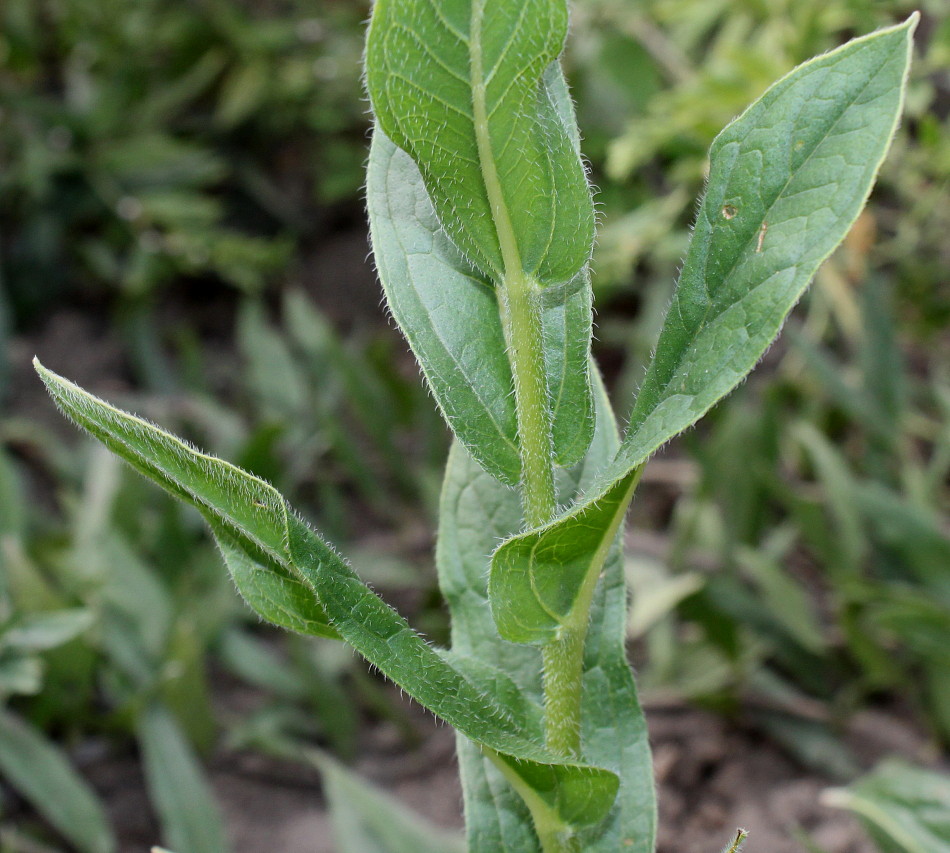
(258, 521)
(245, 513)
(465, 94)
(475, 512)
(449, 314)
(787, 180)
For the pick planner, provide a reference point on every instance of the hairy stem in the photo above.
(519, 300)
(519, 303)
(564, 657)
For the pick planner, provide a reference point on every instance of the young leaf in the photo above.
(39, 770)
(256, 517)
(449, 314)
(787, 180)
(476, 511)
(464, 93)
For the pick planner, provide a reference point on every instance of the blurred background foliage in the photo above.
(181, 220)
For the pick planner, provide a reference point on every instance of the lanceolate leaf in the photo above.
(475, 512)
(262, 528)
(246, 512)
(449, 314)
(787, 180)
(41, 772)
(464, 93)
(580, 794)
(186, 806)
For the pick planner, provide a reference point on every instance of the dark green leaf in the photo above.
(255, 517)
(248, 513)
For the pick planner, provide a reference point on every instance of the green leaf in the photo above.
(366, 820)
(273, 539)
(787, 180)
(476, 511)
(449, 314)
(38, 632)
(246, 513)
(579, 793)
(186, 807)
(39, 770)
(908, 806)
(21, 675)
(539, 580)
(465, 94)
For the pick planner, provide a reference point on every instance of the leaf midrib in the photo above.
(708, 318)
(501, 218)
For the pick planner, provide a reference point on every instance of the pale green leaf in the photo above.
(38, 632)
(367, 820)
(463, 91)
(449, 314)
(787, 180)
(20, 674)
(907, 805)
(40, 772)
(177, 787)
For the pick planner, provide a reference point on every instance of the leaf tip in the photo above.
(49, 378)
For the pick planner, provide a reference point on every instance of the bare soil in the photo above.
(713, 776)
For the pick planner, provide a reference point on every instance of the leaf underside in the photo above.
(449, 314)
(475, 512)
